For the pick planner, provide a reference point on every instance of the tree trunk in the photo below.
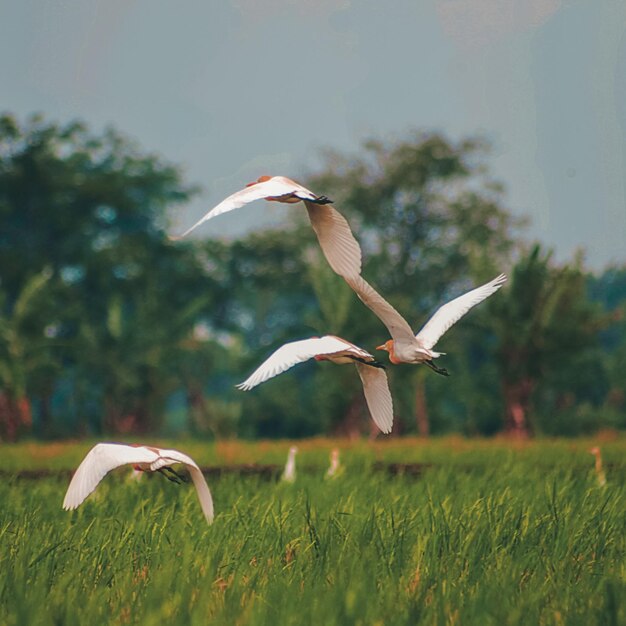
(517, 406)
(421, 408)
(15, 415)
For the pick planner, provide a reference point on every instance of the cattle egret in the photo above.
(104, 457)
(335, 468)
(600, 475)
(289, 473)
(405, 347)
(336, 350)
(338, 244)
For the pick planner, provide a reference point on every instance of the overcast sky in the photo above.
(232, 89)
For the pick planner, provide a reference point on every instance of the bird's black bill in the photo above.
(321, 200)
(440, 370)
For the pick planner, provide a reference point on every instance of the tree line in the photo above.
(108, 326)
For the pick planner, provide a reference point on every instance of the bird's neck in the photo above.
(392, 355)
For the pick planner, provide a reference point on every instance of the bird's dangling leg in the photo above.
(180, 477)
(175, 478)
(440, 370)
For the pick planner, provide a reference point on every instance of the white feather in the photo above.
(104, 457)
(377, 395)
(335, 237)
(274, 187)
(291, 354)
(453, 311)
(375, 385)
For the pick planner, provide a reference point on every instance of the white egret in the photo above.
(104, 457)
(333, 232)
(289, 473)
(335, 466)
(600, 475)
(336, 350)
(405, 347)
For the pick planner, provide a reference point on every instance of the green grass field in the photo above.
(488, 534)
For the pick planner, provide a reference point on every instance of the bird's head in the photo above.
(595, 451)
(387, 346)
(261, 179)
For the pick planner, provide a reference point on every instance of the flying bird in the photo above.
(289, 473)
(104, 457)
(405, 347)
(336, 350)
(338, 244)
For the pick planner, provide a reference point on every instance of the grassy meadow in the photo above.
(488, 533)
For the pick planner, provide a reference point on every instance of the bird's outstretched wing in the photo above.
(377, 395)
(398, 327)
(202, 489)
(454, 310)
(341, 249)
(274, 187)
(100, 460)
(290, 354)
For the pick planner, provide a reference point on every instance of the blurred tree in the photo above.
(265, 292)
(431, 224)
(92, 209)
(545, 325)
(97, 302)
(609, 290)
(129, 345)
(27, 357)
(76, 202)
(425, 207)
(267, 300)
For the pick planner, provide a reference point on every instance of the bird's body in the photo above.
(339, 351)
(599, 470)
(289, 473)
(335, 237)
(335, 466)
(104, 457)
(405, 347)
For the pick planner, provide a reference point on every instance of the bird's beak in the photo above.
(383, 347)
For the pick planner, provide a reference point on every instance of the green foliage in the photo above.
(23, 346)
(28, 359)
(609, 290)
(547, 334)
(488, 535)
(105, 324)
(90, 211)
(431, 225)
(423, 207)
(333, 295)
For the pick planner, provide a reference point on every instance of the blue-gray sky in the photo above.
(232, 89)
